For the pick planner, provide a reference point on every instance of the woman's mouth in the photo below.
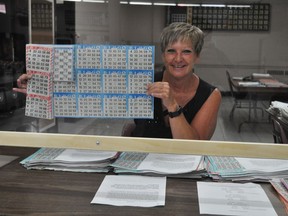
(178, 66)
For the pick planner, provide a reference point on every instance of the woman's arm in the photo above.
(204, 123)
(202, 126)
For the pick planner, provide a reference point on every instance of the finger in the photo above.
(24, 91)
(19, 84)
(155, 86)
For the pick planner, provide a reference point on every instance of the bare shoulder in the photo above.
(216, 95)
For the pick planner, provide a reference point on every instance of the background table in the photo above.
(34, 192)
(258, 93)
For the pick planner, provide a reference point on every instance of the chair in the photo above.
(127, 129)
(279, 133)
(241, 99)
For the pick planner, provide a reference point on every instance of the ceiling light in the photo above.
(140, 3)
(188, 5)
(164, 4)
(239, 6)
(213, 5)
(94, 1)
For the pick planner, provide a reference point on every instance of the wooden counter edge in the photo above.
(151, 145)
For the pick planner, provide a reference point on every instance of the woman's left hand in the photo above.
(163, 91)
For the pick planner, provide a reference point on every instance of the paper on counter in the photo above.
(77, 160)
(127, 190)
(264, 165)
(280, 188)
(170, 163)
(233, 199)
(157, 163)
(82, 155)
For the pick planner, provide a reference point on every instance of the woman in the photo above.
(186, 107)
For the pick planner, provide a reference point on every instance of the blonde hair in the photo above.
(180, 31)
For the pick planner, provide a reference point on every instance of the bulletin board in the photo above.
(254, 17)
(41, 14)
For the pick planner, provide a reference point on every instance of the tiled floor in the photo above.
(226, 130)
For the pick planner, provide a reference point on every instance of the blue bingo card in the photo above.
(102, 81)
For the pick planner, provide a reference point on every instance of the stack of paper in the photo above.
(172, 165)
(251, 84)
(281, 186)
(246, 169)
(74, 160)
(279, 109)
(261, 75)
(272, 83)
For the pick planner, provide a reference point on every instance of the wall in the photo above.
(242, 53)
(246, 52)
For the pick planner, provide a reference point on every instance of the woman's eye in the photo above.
(170, 51)
(187, 51)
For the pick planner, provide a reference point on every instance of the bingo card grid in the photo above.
(39, 106)
(89, 81)
(65, 105)
(63, 63)
(64, 87)
(88, 57)
(137, 81)
(140, 58)
(114, 57)
(140, 106)
(39, 58)
(40, 84)
(90, 105)
(115, 106)
(114, 82)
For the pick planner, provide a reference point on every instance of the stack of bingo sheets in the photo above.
(245, 169)
(73, 160)
(172, 165)
(281, 186)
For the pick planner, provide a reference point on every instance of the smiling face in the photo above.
(179, 58)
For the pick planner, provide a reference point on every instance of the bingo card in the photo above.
(101, 81)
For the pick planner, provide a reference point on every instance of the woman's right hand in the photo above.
(22, 83)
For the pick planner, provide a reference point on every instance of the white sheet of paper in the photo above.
(128, 190)
(233, 199)
(252, 83)
(266, 165)
(170, 163)
(74, 155)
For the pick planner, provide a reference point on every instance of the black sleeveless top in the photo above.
(156, 128)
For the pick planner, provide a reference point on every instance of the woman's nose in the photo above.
(178, 57)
